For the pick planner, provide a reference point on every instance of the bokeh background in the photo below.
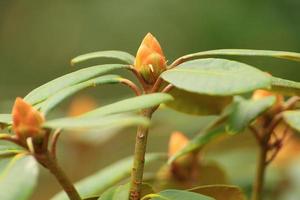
(38, 39)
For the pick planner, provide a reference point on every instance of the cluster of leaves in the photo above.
(201, 85)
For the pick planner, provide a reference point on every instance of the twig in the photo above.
(54, 140)
(168, 88)
(132, 86)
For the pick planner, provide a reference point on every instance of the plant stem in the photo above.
(257, 190)
(50, 163)
(139, 158)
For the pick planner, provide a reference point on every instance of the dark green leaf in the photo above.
(120, 55)
(118, 120)
(292, 118)
(221, 192)
(241, 52)
(218, 77)
(178, 195)
(18, 178)
(245, 111)
(108, 177)
(56, 98)
(131, 104)
(43, 92)
(197, 104)
(285, 87)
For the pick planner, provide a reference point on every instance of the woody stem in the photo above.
(139, 158)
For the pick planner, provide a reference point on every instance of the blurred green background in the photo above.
(38, 38)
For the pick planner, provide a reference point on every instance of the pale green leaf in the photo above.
(240, 52)
(5, 120)
(131, 104)
(118, 120)
(245, 111)
(218, 77)
(292, 118)
(199, 141)
(108, 177)
(285, 87)
(18, 178)
(43, 92)
(116, 193)
(221, 192)
(197, 104)
(56, 98)
(178, 195)
(120, 55)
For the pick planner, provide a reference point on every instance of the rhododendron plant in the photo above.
(199, 84)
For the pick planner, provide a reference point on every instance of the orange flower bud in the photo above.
(150, 61)
(27, 121)
(177, 142)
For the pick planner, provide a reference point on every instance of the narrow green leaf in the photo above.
(179, 195)
(8, 149)
(199, 141)
(131, 104)
(108, 177)
(43, 92)
(285, 87)
(56, 98)
(292, 118)
(120, 55)
(197, 104)
(241, 52)
(5, 120)
(118, 120)
(220, 192)
(245, 111)
(218, 77)
(20, 172)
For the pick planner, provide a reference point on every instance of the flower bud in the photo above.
(27, 121)
(177, 142)
(150, 61)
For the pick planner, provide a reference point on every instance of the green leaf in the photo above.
(116, 193)
(108, 177)
(120, 55)
(245, 111)
(292, 118)
(91, 198)
(285, 87)
(131, 104)
(55, 99)
(8, 149)
(18, 178)
(177, 195)
(122, 192)
(221, 192)
(197, 104)
(43, 92)
(218, 77)
(199, 141)
(241, 52)
(118, 120)
(5, 120)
